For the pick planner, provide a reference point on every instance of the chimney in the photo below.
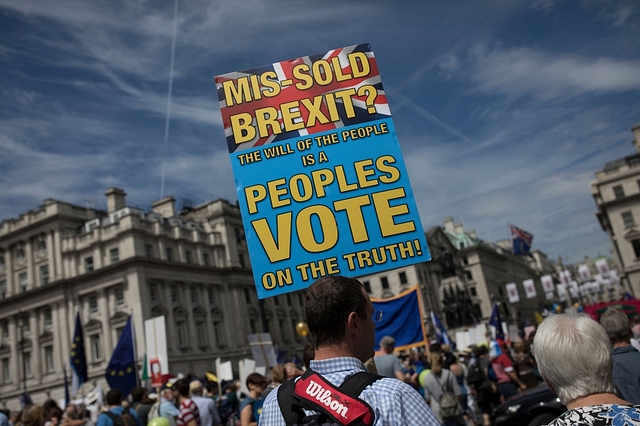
(165, 207)
(472, 233)
(459, 228)
(115, 199)
(636, 135)
(448, 224)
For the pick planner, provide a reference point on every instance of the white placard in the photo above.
(512, 293)
(529, 288)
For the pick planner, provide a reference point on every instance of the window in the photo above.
(46, 313)
(367, 286)
(461, 245)
(1, 262)
(247, 296)
(473, 291)
(169, 252)
(468, 275)
(217, 332)
(276, 301)
(182, 334)
(6, 371)
(22, 282)
(3, 289)
(239, 236)
(194, 295)
(627, 218)
(20, 254)
(153, 296)
(148, 250)
(288, 299)
(5, 329)
(253, 325)
(174, 293)
(403, 277)
(119, 296)
(44, 275)
(187, 255)
(618, 191)
(93, 304)
(26, 363)
(465, 261)
(42, 247)
(201, 334)
(96, 347)
(23, 322)
(48, 359)
(241, 259)
(211, 296)
(205, 259)
(119, 331)
(114, 255)
(385, 283)
(636, 248)
(88, 263)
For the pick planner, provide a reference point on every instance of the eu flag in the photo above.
(496, 321)
(402, 319)
(78, 359)
(121, 371)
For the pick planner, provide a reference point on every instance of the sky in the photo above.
(504, 110)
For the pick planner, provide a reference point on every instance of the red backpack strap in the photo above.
(314, 392)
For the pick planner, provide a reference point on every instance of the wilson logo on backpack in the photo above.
(326, 397)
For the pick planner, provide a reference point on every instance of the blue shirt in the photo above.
(167, 409)
(626, 373)
(104, 420)
(394, 403)
(4, 421)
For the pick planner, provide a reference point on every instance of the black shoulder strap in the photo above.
(292, 406)
(109, 414)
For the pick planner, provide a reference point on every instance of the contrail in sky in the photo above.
(168, 116)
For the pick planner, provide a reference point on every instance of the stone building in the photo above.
(191, 266)
(616, 192)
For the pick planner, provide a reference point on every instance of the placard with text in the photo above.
(322, 185)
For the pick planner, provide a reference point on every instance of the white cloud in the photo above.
(544, 75)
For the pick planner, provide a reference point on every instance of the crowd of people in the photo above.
(594, 368)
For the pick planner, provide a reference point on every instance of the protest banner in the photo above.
(321, 182)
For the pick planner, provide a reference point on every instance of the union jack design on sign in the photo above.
(338, 99)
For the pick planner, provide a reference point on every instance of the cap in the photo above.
(195, 385)
(387, 341)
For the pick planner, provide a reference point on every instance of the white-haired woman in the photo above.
(574, 357)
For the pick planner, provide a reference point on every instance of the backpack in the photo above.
(475, 375)
(228, 411)
(334, 405)
(448, 403)
(154, 411)
(124, 419)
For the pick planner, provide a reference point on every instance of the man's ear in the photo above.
(353, 325)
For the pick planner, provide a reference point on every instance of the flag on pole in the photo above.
(521, 240)
(496, 322)
(67, 399)
(78, 359)
(25, 400)
(121, 371)
(145, 371)
(402, 319)
(441, 332)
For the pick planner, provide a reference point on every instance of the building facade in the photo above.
(616, 192)
(190, 266)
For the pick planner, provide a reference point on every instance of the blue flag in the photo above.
(121, 371)
(401, 319)
(496, 321)
(441, 332)
(521, 240)
(25, 400)
(78, 359)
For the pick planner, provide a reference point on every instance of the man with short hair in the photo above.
(574, 358)
(387, 364)
(114, 403)
(206, 406)
(339, 315)
(167, 407)
(188, 412)
(626, 358)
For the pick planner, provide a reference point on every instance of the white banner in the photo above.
(224, 370)
(562, 292)
(512, 293)
(529, 288)
(565, 277)
(603, 267)
(585, 274)
(547, 283)
(613, 276)
(549, 295)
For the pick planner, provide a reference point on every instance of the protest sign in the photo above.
(321, 182)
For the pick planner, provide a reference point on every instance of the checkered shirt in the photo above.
(394, 403)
